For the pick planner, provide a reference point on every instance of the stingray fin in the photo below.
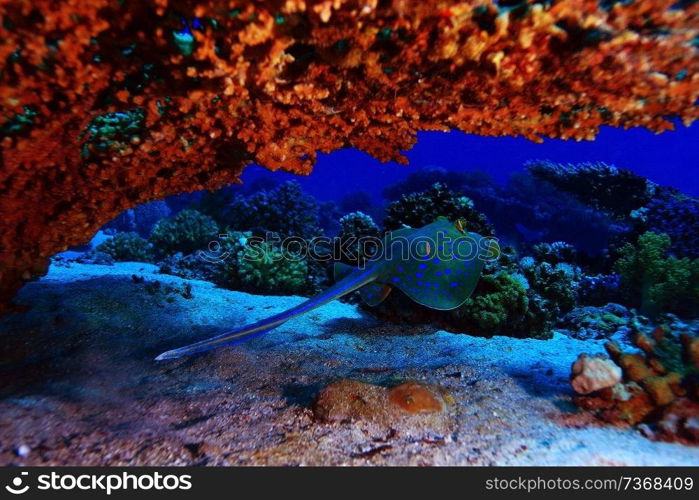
(352, 282)
(439, 284)
(374, 293)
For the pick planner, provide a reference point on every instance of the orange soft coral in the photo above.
(221, 84)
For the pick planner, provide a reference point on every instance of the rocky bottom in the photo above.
(79, 385)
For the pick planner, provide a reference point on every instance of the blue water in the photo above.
(670, 158)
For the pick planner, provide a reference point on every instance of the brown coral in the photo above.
(660, 390)
(221, 84)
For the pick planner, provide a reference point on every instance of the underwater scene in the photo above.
(350, 232)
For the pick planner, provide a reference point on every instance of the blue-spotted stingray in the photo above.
(437, 266)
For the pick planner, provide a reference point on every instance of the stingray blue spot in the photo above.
(423, 266)
(447, 271)
(435, 284)
(436, 260)
(453, 284)
(438, 273)
(401, 269)
(396, 279)
(418, 275)
(408, 278)
(419, 282)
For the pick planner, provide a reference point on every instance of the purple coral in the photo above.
(604, 187)
(677, 216)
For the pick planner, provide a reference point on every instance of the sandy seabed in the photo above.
(78, 384)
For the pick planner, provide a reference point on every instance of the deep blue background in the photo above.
(670, 158)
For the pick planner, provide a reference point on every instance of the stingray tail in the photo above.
(343, 287)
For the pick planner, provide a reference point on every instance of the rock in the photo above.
(590, 374)
(690, 428)
(23, 451)
(347, 400)
(410, 408)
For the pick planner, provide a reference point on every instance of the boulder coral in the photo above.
(360, 232)
(127, 247)
(187, 232)
(592, 373)
(258, 266)
(105, 105)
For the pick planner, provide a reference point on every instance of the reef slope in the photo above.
(90, 394)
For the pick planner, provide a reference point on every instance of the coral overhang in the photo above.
(106, 104)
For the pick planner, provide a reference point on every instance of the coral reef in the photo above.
(518, 298)
(261, 267)
(125, 247)
(555, 253)
(599, 289)
(420, 209)
(270, 215)
(655, 281)
(610, 320)
(187, 232)
(637, 204)
(604, 187)
(677, 216)
(424, 178)
(499, 305)
(105, 105)
(141, 218)
(527, 211)
(285, 209)
(660, 389)
(556, 284)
